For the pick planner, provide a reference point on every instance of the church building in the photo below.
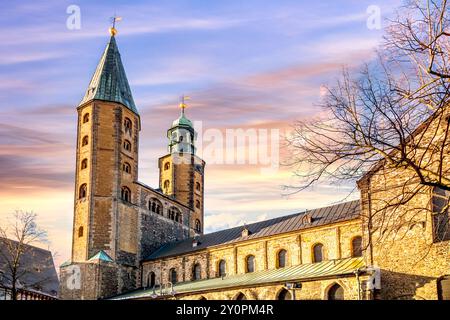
(132, 241)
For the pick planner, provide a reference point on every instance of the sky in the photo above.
(245, 64)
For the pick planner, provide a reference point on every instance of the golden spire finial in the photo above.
(113, 30)
(183, 102)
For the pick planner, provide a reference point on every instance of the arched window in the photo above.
(171, 214)
(178, 217)
(198, 226)
(284, 295)
(82, 193)
(440, 200)
(86, 118)
(154, 205)
(357, 246)
(197, 204)
(85, 141)
(127, 145)
(441, 214)
(80, 231)
(318, 252)
(151, 280)
(126, 194)
(222, 267)
(336, 292)
(167, 166)
(197, 272)
(197, 186)
(281, 258)
(84, 164)
(250, 264)
(126, 167)
(173, 275)
(166, 186)
(127, 124)
(241, 296)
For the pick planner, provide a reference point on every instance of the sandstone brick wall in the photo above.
(402, 235)
(155, 229)
(184, 172)
(311, 290)
(96, 280)
(335, 238)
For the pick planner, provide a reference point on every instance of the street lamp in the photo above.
(293, 286)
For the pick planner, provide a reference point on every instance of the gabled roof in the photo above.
(109, 82)
(101, 256)
(37, 268)
(302, 272)
(298, 221)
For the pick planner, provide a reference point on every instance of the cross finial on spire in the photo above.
(183, 103)
(113, 30)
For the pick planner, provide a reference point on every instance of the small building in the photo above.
(36, 274)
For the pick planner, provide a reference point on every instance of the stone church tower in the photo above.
(118, 221)
(181, 171)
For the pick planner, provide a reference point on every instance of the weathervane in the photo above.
(113, 30)
(183, 102)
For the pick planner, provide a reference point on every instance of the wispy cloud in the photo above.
(245, 66)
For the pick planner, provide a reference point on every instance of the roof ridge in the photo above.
(260, 229)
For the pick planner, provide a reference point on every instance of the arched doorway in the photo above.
(151, 280)
(241, 296)
(284, 295)
(336, 292)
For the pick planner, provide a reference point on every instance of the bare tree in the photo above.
(16, 239)
(392, 114)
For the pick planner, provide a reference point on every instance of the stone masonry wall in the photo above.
(335, 238)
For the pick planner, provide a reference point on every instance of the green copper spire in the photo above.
(101, 256)
(109, 82)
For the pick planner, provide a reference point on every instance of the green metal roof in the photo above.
(301, 272)
(102, 256)
(65, 264)
(109, 82)
(182, 121)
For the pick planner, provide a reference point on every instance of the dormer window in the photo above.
(245, 232)
(307, 219)
(195, 242)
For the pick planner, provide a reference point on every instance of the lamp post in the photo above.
(292, 286)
